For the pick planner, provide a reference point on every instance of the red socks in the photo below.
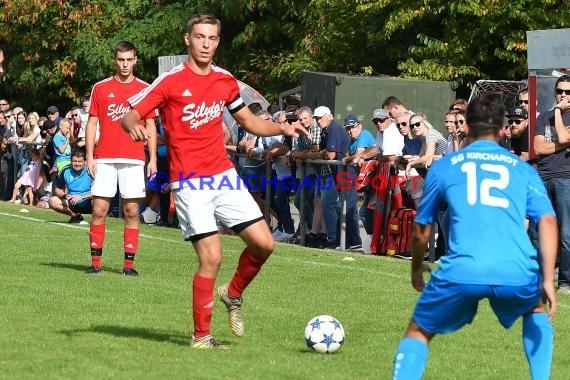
(202, 304)
(130, 245)
(96, 239)
(248, 267)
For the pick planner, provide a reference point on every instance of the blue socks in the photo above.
(538, 338)
(410, 360)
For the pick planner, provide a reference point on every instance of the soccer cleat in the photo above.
(92, 270)
(233, 304)
(130, 272)
(207, 342)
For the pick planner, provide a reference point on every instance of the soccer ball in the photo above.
(324, 334)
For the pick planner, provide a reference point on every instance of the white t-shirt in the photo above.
(390, 142)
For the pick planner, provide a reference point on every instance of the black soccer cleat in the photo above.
(130, 272)
(92, 270)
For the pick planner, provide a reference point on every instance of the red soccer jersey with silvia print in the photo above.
(109, 104)
(191, 109)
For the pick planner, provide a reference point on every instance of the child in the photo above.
(29, 180)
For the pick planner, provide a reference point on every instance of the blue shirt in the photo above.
(59, 140)
(489, 192)
(364, 140)
(77, 183)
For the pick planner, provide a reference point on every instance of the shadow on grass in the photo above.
(132, 332)
(77, 267)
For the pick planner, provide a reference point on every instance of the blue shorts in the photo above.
(446, 306)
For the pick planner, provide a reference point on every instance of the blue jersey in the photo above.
(489, 192)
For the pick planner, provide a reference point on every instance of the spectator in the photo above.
(361, 140)
(518, 121)
(450, 123)
(28, 182)
(83, 117)
(276, 155)
(459, 105)
(53, 115)
(4, 105)
(48, 132)
(72, 194)
(433, 143)
(62, 145)
(308, 148)
(394, 106)
(73, 115)
(553, 166)
(333, 146)
(412, 146)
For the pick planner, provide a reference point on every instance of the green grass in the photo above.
(58, 323)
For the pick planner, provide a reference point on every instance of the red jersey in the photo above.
(191, 110)
(109, 104)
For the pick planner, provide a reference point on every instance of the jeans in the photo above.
(366, 214)
(559, 193)
(303, 185)
(330, 206)
(281, 198)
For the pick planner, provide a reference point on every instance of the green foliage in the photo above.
(56, 50)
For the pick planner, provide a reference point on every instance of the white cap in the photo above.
(322, 111)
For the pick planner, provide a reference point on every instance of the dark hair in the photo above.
(391, 101)
(124, 46)
(485, 115)
(203, 18)
(255, 107)
(79, 152)
(563, 78)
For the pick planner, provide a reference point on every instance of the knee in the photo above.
(53, 202)
(264, 248)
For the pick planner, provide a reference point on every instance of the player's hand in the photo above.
(295, 129)
(418, 281)
(91, 167)
(138, 133)
(550, 295)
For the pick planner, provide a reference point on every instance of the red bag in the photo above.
(398, 239)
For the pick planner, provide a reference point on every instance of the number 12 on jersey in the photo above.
(479, 189)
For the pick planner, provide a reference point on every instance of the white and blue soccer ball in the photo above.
(324, 334)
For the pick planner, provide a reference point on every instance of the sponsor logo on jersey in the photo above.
(197, 115)
(111, 95)
(187, 93)
(117, 111)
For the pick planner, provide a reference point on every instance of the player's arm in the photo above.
(90, 135)
(548, 238)
(130, 124)
(152, 144)
(259, 127)
(561, 130)
(420, 240)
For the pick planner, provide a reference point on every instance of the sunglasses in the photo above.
(403, 124)
(456, 109)
(3, 104)
(75, 115)
(517, 122)
(521, 101)
(560, 91)
(51, 113)
(459, 122)
(378, 121)
(415, 125)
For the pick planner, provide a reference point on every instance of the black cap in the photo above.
(517, 112)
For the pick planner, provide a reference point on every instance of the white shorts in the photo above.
(225, 198)
(130, 177)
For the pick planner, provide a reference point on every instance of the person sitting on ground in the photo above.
(73, 189)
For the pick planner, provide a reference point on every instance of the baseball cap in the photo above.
(350, 121)
(380, 113)
(52, 109)
(321, 111)
(517, 112)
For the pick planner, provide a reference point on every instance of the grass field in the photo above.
(58, 323)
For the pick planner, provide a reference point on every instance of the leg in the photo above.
(208, 247)
(329, 207)
(411, 356)
(57, 205)
(16, 191)
(97, 232)
(260, 245)
(130, 234)
(538, 336)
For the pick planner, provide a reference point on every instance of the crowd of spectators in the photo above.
(36, 148)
